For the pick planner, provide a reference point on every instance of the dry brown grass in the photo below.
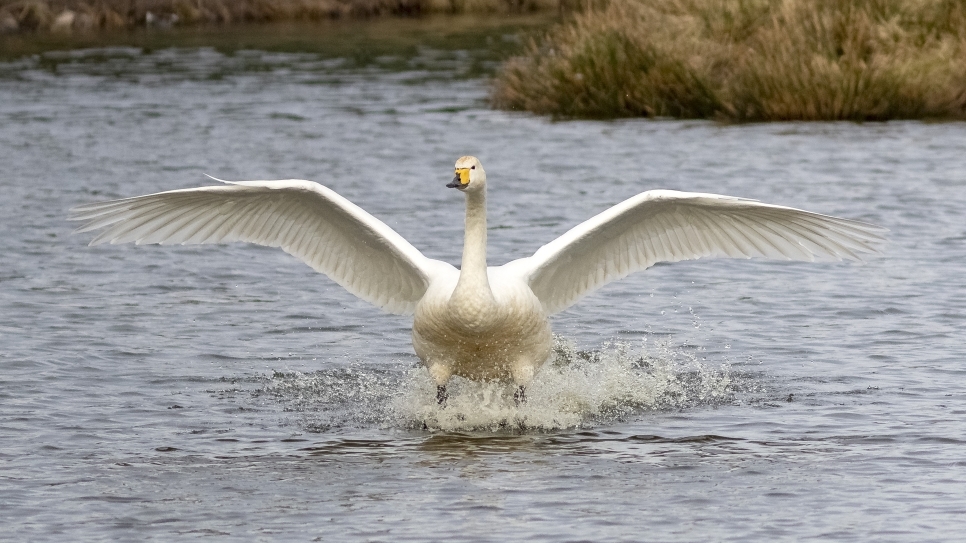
(81, 15)
(748, 60)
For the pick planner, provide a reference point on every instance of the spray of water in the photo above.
(575, 389)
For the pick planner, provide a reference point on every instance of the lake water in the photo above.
(168, 393)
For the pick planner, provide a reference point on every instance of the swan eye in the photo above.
(472, 167)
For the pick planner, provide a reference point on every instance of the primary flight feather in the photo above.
(478, 322)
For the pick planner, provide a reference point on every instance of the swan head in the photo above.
(470, 176)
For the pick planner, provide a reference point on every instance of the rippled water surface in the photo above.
(167, 393)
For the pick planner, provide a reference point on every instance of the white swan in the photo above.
(478, 322)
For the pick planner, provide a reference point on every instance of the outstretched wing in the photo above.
(305, 219)
(668, 226)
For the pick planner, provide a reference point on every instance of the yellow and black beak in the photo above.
(461, 180)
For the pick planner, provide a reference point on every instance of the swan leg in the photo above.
(441, 394)
(522, 371)
(520, 396)
(440, 373)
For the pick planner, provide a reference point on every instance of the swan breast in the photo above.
(497, 340)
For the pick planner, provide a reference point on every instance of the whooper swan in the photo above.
(477, 322)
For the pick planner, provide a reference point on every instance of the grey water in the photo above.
(169, 393)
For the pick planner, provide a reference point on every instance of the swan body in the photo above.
(478, 322)
(505, 336)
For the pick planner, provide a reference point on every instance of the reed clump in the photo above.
(747, 60)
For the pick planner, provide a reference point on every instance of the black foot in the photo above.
(441, 394)
(520, 396)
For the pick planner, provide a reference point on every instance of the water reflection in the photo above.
(455, 445)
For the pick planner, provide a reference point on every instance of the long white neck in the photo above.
(473, 283)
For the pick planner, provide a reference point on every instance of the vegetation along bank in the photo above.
(747, 60)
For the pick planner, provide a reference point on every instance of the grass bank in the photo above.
(747, 60)
(66, 16)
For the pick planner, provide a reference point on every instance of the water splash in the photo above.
(575, 389)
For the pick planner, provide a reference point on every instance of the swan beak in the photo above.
(461, 180)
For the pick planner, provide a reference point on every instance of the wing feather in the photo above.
(723, 243)
(160, 226)
(757, 242)
(305, 219)
(668, 226)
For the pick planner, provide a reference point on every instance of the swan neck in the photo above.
(473, 270)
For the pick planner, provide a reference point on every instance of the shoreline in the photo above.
(499, 35)
(732, 61)
(38, 17)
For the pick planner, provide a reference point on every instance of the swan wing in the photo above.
(669, 226)
(305, 219)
